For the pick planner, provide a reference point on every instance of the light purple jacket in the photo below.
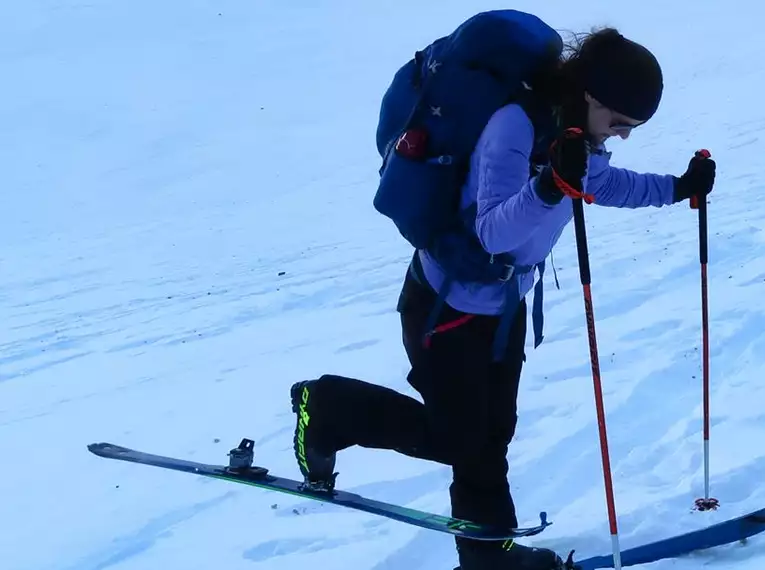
(513, 219)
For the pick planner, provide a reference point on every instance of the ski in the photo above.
(241, 470)
(736, 529)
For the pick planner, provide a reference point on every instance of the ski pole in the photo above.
(707, 503)
(577, 197)
(584, 272)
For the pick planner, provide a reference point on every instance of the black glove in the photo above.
(698, 179)
(568, 165)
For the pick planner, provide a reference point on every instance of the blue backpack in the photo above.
(431, 118)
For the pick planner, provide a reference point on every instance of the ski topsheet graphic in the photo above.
(241, 470)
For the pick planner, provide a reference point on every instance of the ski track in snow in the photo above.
(186, 228)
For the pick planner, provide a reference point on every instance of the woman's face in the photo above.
(603, 122)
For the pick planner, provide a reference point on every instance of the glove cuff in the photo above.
(680, 191)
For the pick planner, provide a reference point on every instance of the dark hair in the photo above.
(578, 52)
(562, 82)
(620, 73)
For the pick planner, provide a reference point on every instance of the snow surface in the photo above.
(186, 228)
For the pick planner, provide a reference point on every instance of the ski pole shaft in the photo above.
(700, 204)
(705, 334)
(586, 278)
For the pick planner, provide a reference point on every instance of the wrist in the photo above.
(679, 191)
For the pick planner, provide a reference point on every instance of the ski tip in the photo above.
(103, 449)
(97, 448)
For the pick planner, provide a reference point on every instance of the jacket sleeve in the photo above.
(508, 206)
(622, 188)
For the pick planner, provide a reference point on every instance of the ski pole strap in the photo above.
(569, 190)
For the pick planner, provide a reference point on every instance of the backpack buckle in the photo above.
(507, 273)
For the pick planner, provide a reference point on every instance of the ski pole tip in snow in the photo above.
(709, 504)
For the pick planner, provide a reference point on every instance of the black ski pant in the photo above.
(467, 415)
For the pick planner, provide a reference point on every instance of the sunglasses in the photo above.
(623, 128)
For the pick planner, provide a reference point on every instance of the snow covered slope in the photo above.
(186, 228)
